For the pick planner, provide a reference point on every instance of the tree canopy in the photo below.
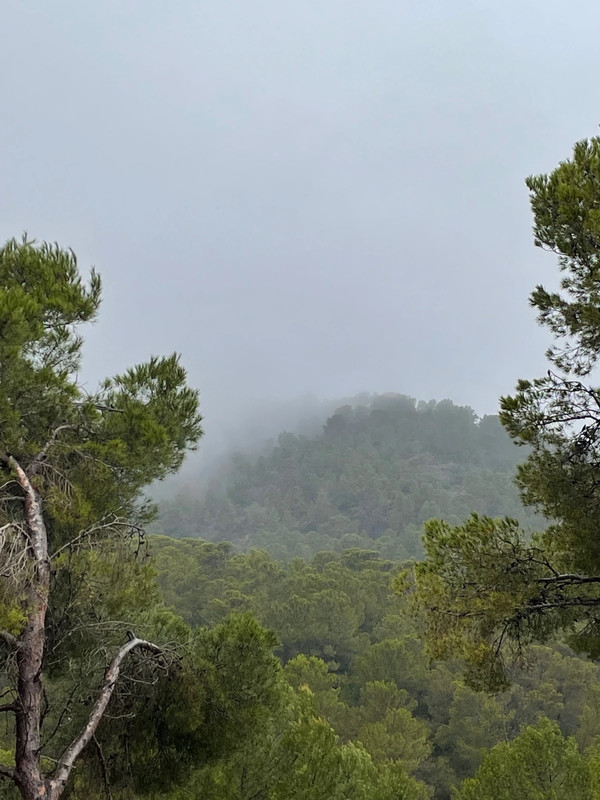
(357, 646)
(106, 691)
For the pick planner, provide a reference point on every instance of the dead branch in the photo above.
(101, 407)
(100, 530)
(13, 550)
(63, 713)
(37, 461)
(68, 758)
(569, 578)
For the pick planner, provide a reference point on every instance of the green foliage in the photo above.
(213, 703)
(295, 753)
(540, 764)
(566, 210)
(409, 716)
(308, 672)
(206, 582)
(42, 299)
(136, 428)
(487, 588)
(397, 737)
(399, 661)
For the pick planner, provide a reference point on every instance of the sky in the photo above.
(305, 198)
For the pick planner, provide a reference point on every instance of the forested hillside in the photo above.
(371, 478)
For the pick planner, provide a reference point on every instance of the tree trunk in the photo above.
(30, 648)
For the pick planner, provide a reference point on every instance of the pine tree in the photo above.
(71, 511)
(489, 588)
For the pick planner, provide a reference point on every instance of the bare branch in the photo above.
(14, 541)
(63, 713)
(68, 758)
(56, 475)
(100, 530)
(37, 461)
(102, 407)
(569, 578)
(562, 603)
(7, 707)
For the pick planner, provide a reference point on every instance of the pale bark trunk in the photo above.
(29, 646)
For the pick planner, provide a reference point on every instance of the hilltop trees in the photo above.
(540, 764)
(489, 589)
(73, 466)
(369, 480)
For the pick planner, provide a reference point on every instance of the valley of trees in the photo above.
(289, 639)
(350, 639)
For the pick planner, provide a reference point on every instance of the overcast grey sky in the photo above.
(300, 196)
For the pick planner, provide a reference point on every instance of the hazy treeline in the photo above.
(370, 479)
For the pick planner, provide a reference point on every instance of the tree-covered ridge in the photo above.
(349, 638)
(370, 479)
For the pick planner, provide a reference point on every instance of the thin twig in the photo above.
(103, 767)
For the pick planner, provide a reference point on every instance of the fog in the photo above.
(303, 198)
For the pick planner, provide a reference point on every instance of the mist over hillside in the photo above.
(252, 432)
(368, 475)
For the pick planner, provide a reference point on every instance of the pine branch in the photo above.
(570, 579)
